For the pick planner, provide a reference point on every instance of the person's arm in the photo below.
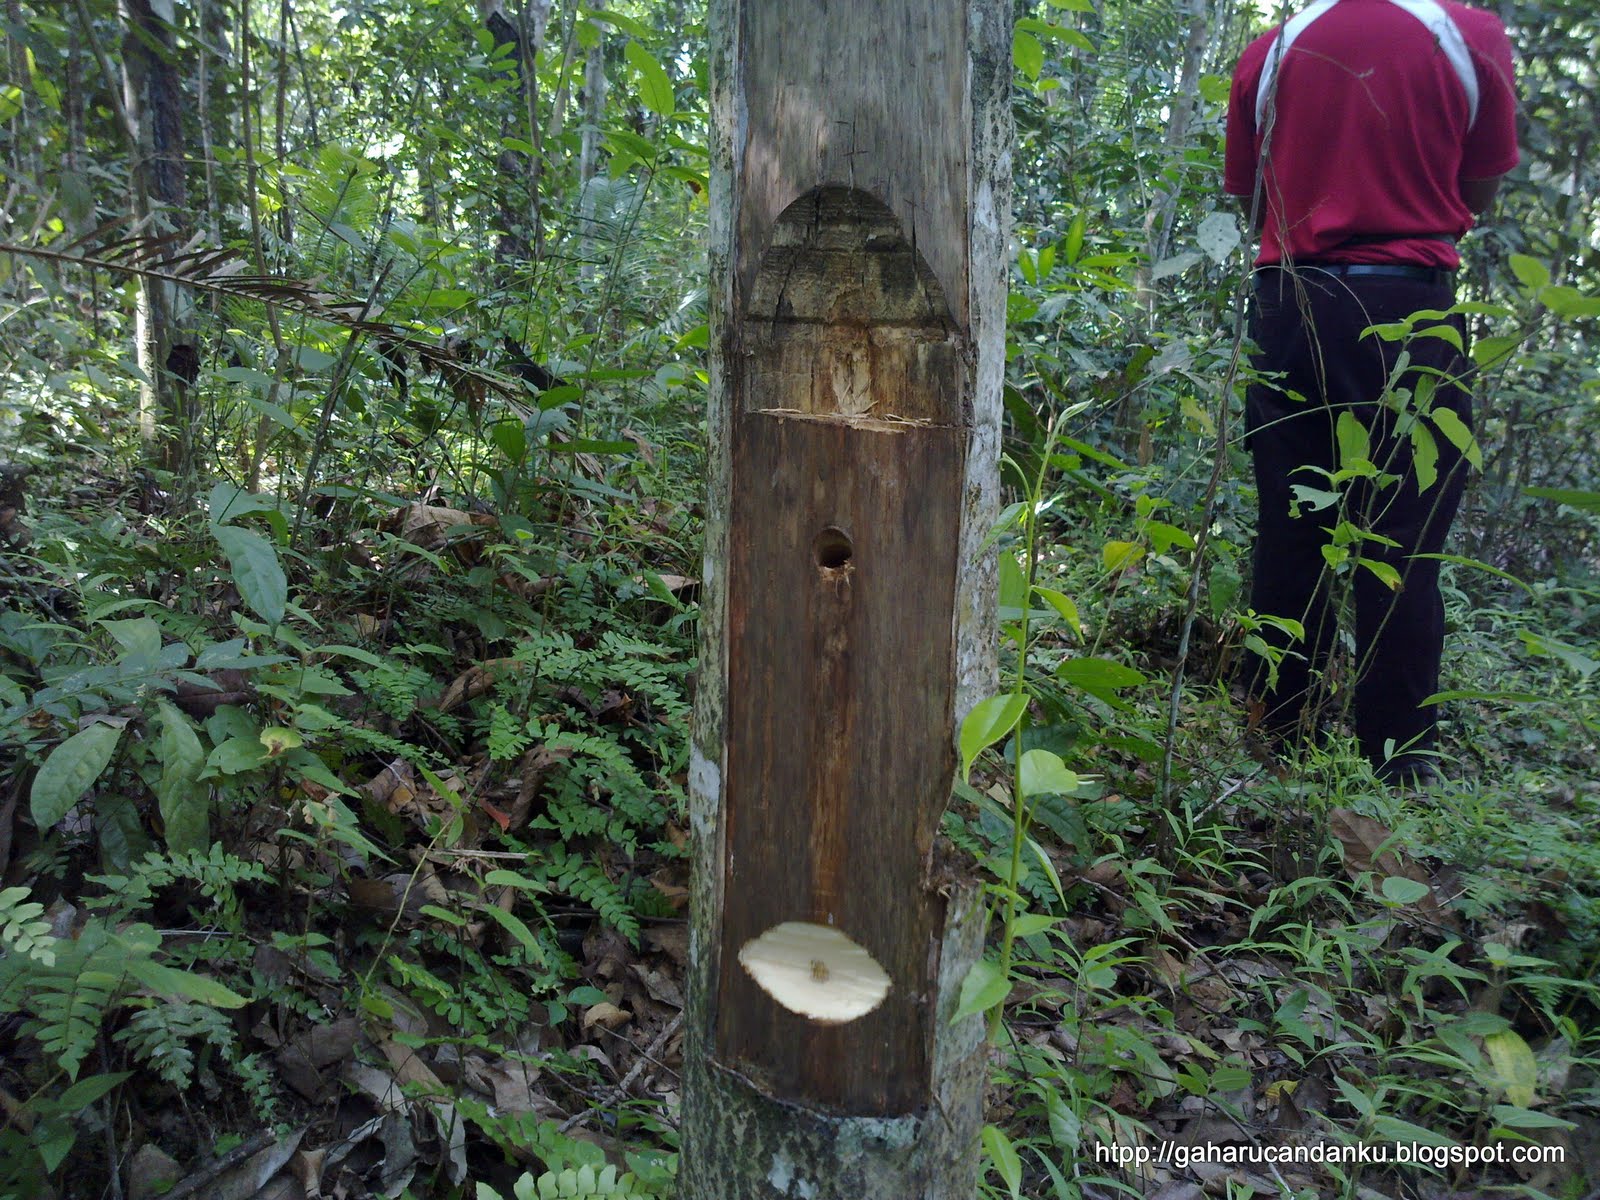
(1478, 194)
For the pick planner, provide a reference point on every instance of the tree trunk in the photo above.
(153, 104)
(519, 170)
(594, 108)
(861, 197)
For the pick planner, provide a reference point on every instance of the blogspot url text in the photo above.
(1183, 1156)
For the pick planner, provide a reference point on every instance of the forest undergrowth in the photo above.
(344, 708)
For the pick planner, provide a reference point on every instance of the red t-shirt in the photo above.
(1371, 135)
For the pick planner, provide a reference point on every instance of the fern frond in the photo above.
(21, 930)
(580, 1183)
(159, 1034)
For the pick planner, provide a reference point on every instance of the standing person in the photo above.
(1363, 138)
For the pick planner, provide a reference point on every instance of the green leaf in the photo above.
(1474, 694)
(185, 801)
(1118, 556)
(1073, 248)
(1064, 606)
(1513, 1117)
(1397, 889)
(1479, 565)
(1585, 501)
(184, 985)
(70, 771)
(511, 438)
(1445, 333)
(86, 1091)
(517, 928)
(1386, 573)
(237, 755)
(1043, 773)
(988, 722)
(1515, 1068)
(1066, 1128)
(1005, 1158)
(140, 637)
(1354, 445)
(1030, 924)
(256, 571)
(1530, 272)
(1100, 677)
(982, 989)
(1569, 302)
(1453, 427)
(1013, 585)
(1424, 456)
(54, 1138)
(1028, 53)
(1491, 351)
(655, 86)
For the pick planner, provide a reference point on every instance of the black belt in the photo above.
(1433, 275)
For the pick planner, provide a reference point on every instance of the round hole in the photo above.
(832, 548)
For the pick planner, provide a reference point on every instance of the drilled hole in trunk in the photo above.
(833, 549)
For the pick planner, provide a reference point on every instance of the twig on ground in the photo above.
(227, 1162)
(620, 1092)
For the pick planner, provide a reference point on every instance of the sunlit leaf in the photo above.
(1530, 272)
(1453, 427)
(655, 86)
(1515, 1068)
(1028, 53)
(988, 722)
(1424, 456)
(1043, 773)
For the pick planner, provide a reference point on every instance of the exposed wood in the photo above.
(860, 173)
(841, 578)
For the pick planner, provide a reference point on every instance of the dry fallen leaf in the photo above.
(1367, 848)
(606, 1015)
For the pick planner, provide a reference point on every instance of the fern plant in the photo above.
(582, 1183)
(216, 872)
(162, 1036)
(21, 930)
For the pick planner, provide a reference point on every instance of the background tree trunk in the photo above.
(594, 107)
(860, 197)
(152, 98)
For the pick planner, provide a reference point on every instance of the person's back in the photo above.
(1375, 118)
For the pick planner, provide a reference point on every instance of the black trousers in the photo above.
(1315, 366)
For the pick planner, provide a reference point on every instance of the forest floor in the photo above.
(375, 885)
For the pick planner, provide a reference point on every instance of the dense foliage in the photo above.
(351, 439)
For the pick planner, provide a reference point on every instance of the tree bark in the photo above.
(594, 107)
(152, 100)
(860, 204)
(520, 170)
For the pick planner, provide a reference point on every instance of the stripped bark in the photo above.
(861, 193)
